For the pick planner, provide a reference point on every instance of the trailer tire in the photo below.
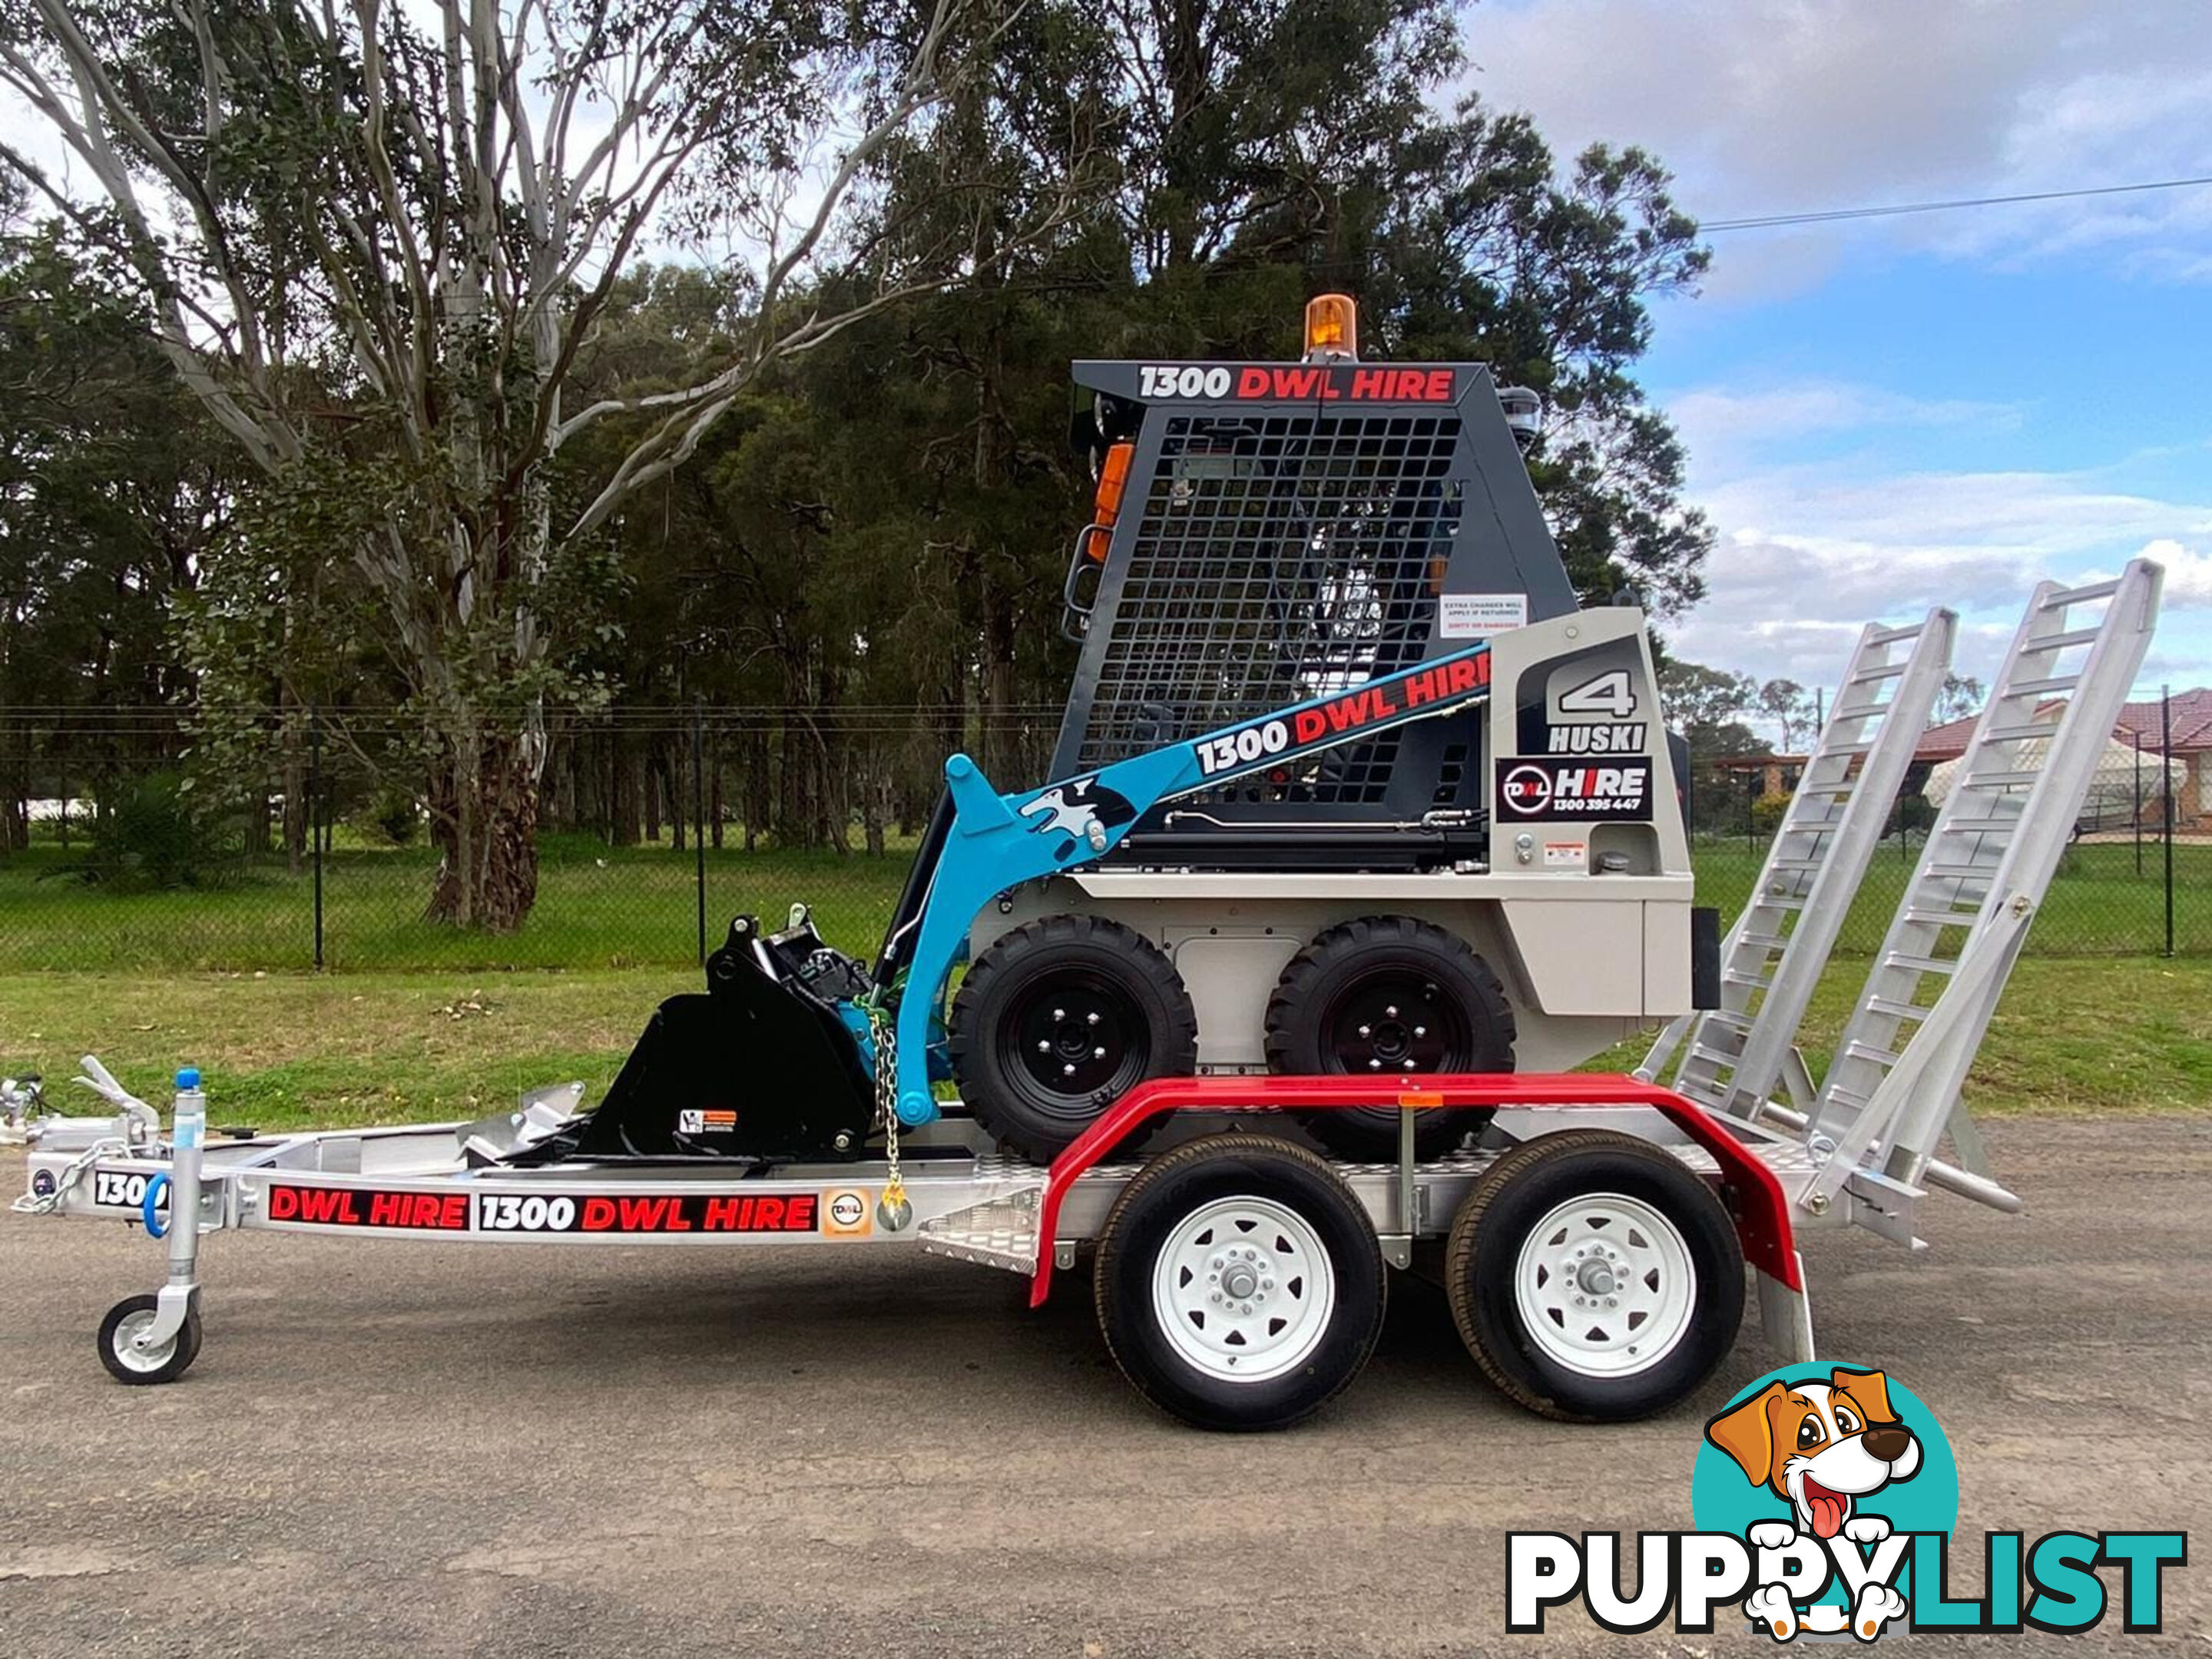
(1320, 1015)
(1105, 1003)
(126, 1363)
(1311, 1268)
(1661, 1259)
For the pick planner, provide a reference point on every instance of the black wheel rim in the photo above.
(1391, 1019)
(1072, 1036)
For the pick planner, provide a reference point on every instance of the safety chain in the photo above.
(893, 1209)
(46, 1204)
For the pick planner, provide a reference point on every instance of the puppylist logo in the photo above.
(1825, 1497)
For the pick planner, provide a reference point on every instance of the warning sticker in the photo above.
(705, 1123)
(1564, 855)
(1478, 616)
(1543, 788)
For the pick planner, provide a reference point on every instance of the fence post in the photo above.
(699, 819)
(315, 810)
(2166, 759)
(1750, 790)
(2138, 737)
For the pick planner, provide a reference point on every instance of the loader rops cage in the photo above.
(1360, 836)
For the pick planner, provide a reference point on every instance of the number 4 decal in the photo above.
(1610, 693)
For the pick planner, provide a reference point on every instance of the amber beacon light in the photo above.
(1332, 329)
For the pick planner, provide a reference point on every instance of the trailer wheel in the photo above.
(1593, 1278)
(1059, 1018)
(128, 1364)
(1386, 996)
(1239, 1283)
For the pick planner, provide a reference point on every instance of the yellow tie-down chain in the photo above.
(892, 1209)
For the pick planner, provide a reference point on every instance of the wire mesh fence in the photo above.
(655, 827)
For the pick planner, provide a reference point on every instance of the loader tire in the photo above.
(1058, 1020)
(1388, 996)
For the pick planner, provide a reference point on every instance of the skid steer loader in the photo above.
(1346, 783)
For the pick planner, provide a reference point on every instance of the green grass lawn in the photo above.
(284, 1050)
(598, 907)
(605, 907)
(2097, 905)
(419, 1021)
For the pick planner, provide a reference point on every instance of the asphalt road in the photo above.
(410, 1449)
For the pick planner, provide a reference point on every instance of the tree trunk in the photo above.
(296, 791)
(757, 810)
(998, 738)
(795, 823)
(559, 807)
(994, 734)
(1188, 72)
(628, 777)
(483, 821)
(875, 801)
(681, 788)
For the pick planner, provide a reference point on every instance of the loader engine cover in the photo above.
(761, 1067)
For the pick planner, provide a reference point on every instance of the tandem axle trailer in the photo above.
(1239, 1276)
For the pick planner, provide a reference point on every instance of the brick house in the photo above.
(2192, 747)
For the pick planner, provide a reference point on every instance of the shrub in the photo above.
(1766, 812)
(392, 816)
(153, 836)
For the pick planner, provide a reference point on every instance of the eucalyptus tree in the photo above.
(374, 238)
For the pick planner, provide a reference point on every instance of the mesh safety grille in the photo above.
(1277, 558)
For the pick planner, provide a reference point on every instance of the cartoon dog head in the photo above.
(1082, 809)
(1819, 1445)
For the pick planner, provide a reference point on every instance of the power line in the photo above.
(1772, 221)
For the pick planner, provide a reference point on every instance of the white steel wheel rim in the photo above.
(1604, 1285)
(125, 1343)
(1242, 1289)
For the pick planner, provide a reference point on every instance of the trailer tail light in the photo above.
(1332, 329)
(1113, 479)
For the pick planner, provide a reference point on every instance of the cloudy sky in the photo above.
(1937, 408)
(1907, 411)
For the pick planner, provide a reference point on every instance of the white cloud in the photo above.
(1777, 106)
(1949, 516)
(2188, 573)
(1810, 551)
(1722, 424)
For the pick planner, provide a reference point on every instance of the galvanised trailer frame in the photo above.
(953, 1194)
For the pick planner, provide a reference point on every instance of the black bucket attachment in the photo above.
(762, 1069)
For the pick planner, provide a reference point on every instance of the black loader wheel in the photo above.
(1593, 1278)
(1239, 1283)
(126, 1363)
(1384, 996)
(1059, 1018)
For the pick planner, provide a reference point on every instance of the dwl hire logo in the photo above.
(1824, 1498)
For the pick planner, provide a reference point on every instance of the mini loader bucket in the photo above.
(763, 1065)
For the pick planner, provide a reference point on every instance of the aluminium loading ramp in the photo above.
(1887, 1099)
(1773, 958)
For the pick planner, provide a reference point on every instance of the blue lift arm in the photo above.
(998, 842)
